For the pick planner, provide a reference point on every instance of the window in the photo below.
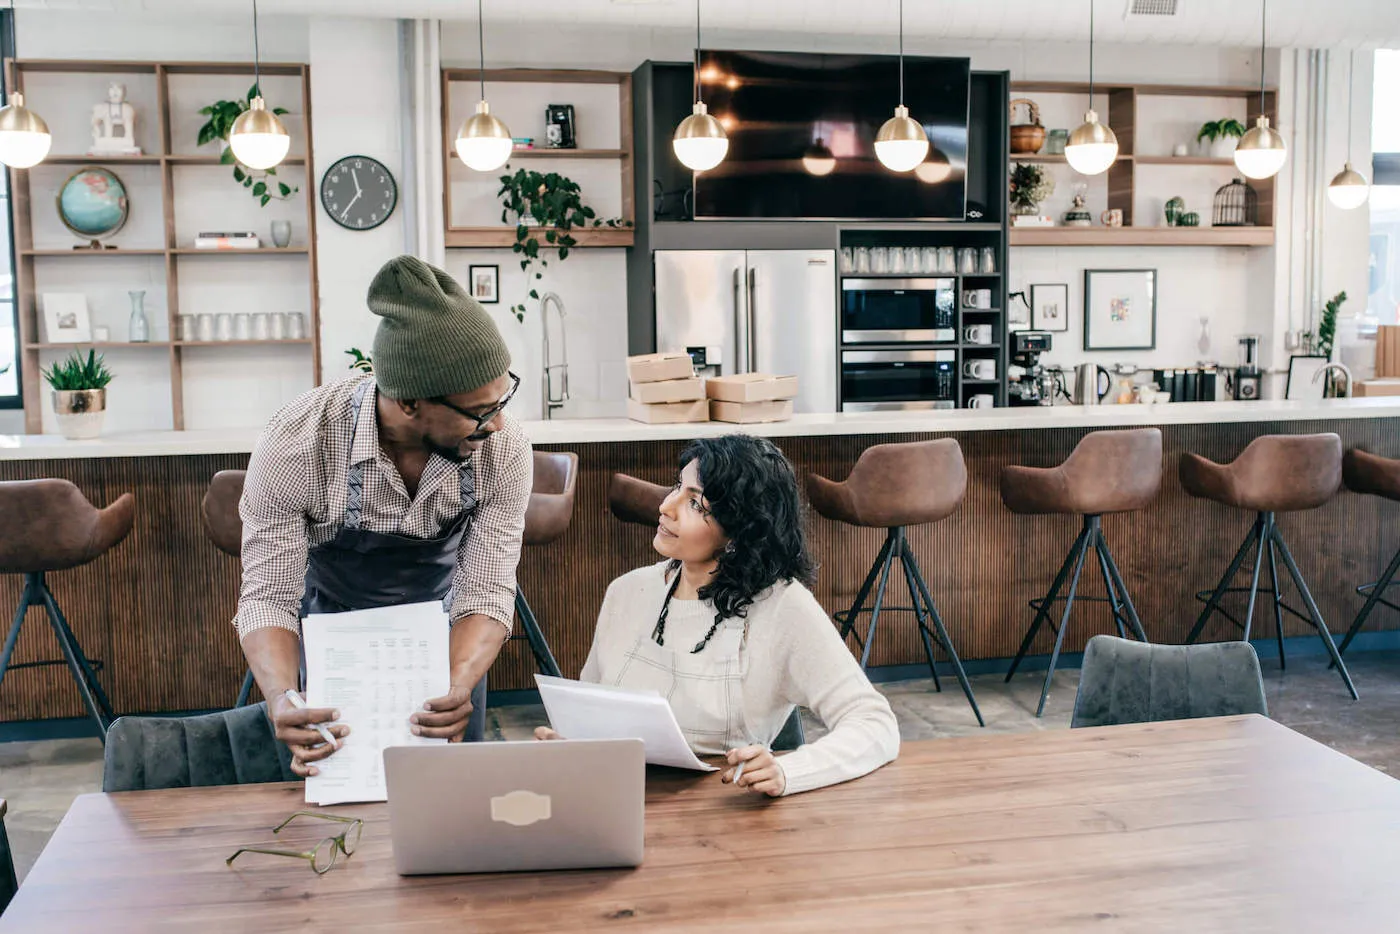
(9, 321)
(1383, 299)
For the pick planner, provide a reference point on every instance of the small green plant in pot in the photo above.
(547, 205)
(1218, 138)
(261, 185)
(79, 394)
(359, 360)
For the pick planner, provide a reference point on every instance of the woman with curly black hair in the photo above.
(726, 629)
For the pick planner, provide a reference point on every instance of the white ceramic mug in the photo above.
(978, 333)
(980, 369)
(971, 298)
(204, 328)
(982, 400)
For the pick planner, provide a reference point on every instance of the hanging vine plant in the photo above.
(545, 208)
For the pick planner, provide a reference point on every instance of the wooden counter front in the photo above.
(158, 609)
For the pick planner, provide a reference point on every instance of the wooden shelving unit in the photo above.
(1122, 118)
(503, 235)
(166, 161)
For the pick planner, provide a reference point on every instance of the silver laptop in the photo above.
(501, 807)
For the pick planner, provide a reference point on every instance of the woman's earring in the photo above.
(729, 548)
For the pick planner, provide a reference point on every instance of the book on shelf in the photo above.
(1032, 220)
(220, 240)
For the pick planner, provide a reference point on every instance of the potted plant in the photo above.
(1218, 138)
(221, 116)
(79, 394)
(359, 360)
(1030, 185)
(548, 206)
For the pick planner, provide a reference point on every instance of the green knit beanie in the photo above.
(434, 339)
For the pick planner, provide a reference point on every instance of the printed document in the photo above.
(579, 710)
(376, 667)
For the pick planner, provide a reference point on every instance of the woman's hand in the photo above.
(762, 771)
(545, 733)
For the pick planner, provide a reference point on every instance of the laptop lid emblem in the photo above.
(520, 808)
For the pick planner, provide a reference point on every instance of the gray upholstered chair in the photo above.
(1123, 681)
(231, 747)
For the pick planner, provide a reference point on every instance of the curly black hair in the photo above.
(751, 491)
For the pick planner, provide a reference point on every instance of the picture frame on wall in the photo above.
(1050, 307)
(485, 283)
(66, 319)
(1302, 370)
(1120, 309)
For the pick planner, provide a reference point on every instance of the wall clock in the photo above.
(359, 193)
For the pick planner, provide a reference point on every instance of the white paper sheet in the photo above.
(578, 710)
(376, 667)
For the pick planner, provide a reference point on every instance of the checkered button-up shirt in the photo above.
(295, 495)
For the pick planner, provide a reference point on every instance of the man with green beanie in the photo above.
(399, 487)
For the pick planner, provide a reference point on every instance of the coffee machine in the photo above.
(1036, 385)
(1247, 373)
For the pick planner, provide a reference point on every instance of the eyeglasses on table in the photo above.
(322, 857)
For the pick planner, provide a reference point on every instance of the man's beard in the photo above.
(455, 454)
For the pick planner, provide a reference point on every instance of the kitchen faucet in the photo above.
(1343, 392)
(551, 401)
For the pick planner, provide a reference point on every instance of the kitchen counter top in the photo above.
(605, 430)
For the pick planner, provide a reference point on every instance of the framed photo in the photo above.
(1050, 307)
(485, 283)
(1302, 370)
(66, 318)
(1120, 309)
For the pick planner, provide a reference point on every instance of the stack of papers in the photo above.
(376, 667)
(578, 710)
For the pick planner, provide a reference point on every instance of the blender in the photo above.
(1247, 374)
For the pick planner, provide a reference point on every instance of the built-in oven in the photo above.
(893, 310)
(884, 380)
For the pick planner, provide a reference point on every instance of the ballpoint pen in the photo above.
(299, 704)
(740, 770)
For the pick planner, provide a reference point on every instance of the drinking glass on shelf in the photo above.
(879, 259)
(262, 326)
(296, 326)
(989, 260)
(204, 328)
(967, 261)
(897, 260)
(911, 259)
(929, 263)
(848, 263)
(279, 325)
(945, 261)
(862, 259)
(223, 326)
(243, 326)
(187, 330)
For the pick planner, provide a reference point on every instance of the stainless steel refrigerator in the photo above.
(753, 311)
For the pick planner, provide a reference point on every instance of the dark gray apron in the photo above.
(362, 570)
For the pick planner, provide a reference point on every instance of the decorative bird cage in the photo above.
(1235, 205)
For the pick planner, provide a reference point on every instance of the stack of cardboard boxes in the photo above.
(748, 398)
(1387, 381)
(663, 389)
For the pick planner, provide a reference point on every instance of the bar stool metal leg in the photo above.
(544, 658)
(847, 618)
(1278, 603)
(25, 599)
(878, 605)
(1372, 592)
(921, 611)
(1115, 582)
(1064, 625)
(1313, 611)
(941, 632)
(1042, 613)
(1255, 536)
(94, 698)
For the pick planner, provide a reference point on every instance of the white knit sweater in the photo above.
(795, 657)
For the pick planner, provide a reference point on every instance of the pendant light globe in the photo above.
(1348, 189)
(24, 136)
(700, 141)
(901, 144)
(1261, 152)
(484, 142)
(258, 139)
(819, 160)
(1092, 147)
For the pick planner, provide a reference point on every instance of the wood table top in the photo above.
(1235, 824)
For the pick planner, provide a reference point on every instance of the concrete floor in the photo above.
(41, 779)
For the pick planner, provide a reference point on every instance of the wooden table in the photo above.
(1235, 824)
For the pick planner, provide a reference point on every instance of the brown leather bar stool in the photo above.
(891, 487)
(224, 526)
(50, 526)
(1107, 472)
(639, 503)
(1273, 474)
(546, 518)
(1378, 476)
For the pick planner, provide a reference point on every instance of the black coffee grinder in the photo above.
(1036, 384)
(1247, 374)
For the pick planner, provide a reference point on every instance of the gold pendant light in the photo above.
(24, 136)
(819, 159)
(1092, 147)
(484, 143)
(258, 139)
(1349, 188)
(901, 144)
(1261, 152)
(699, 141)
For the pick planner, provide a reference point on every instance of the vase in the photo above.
(80, 412)
(139, 329)
(1224, 147)
(281, 234)
(1203, 340)
(1025, 209)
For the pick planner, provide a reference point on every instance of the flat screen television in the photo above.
(802, 136)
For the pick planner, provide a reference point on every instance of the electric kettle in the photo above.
(1091, 383)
